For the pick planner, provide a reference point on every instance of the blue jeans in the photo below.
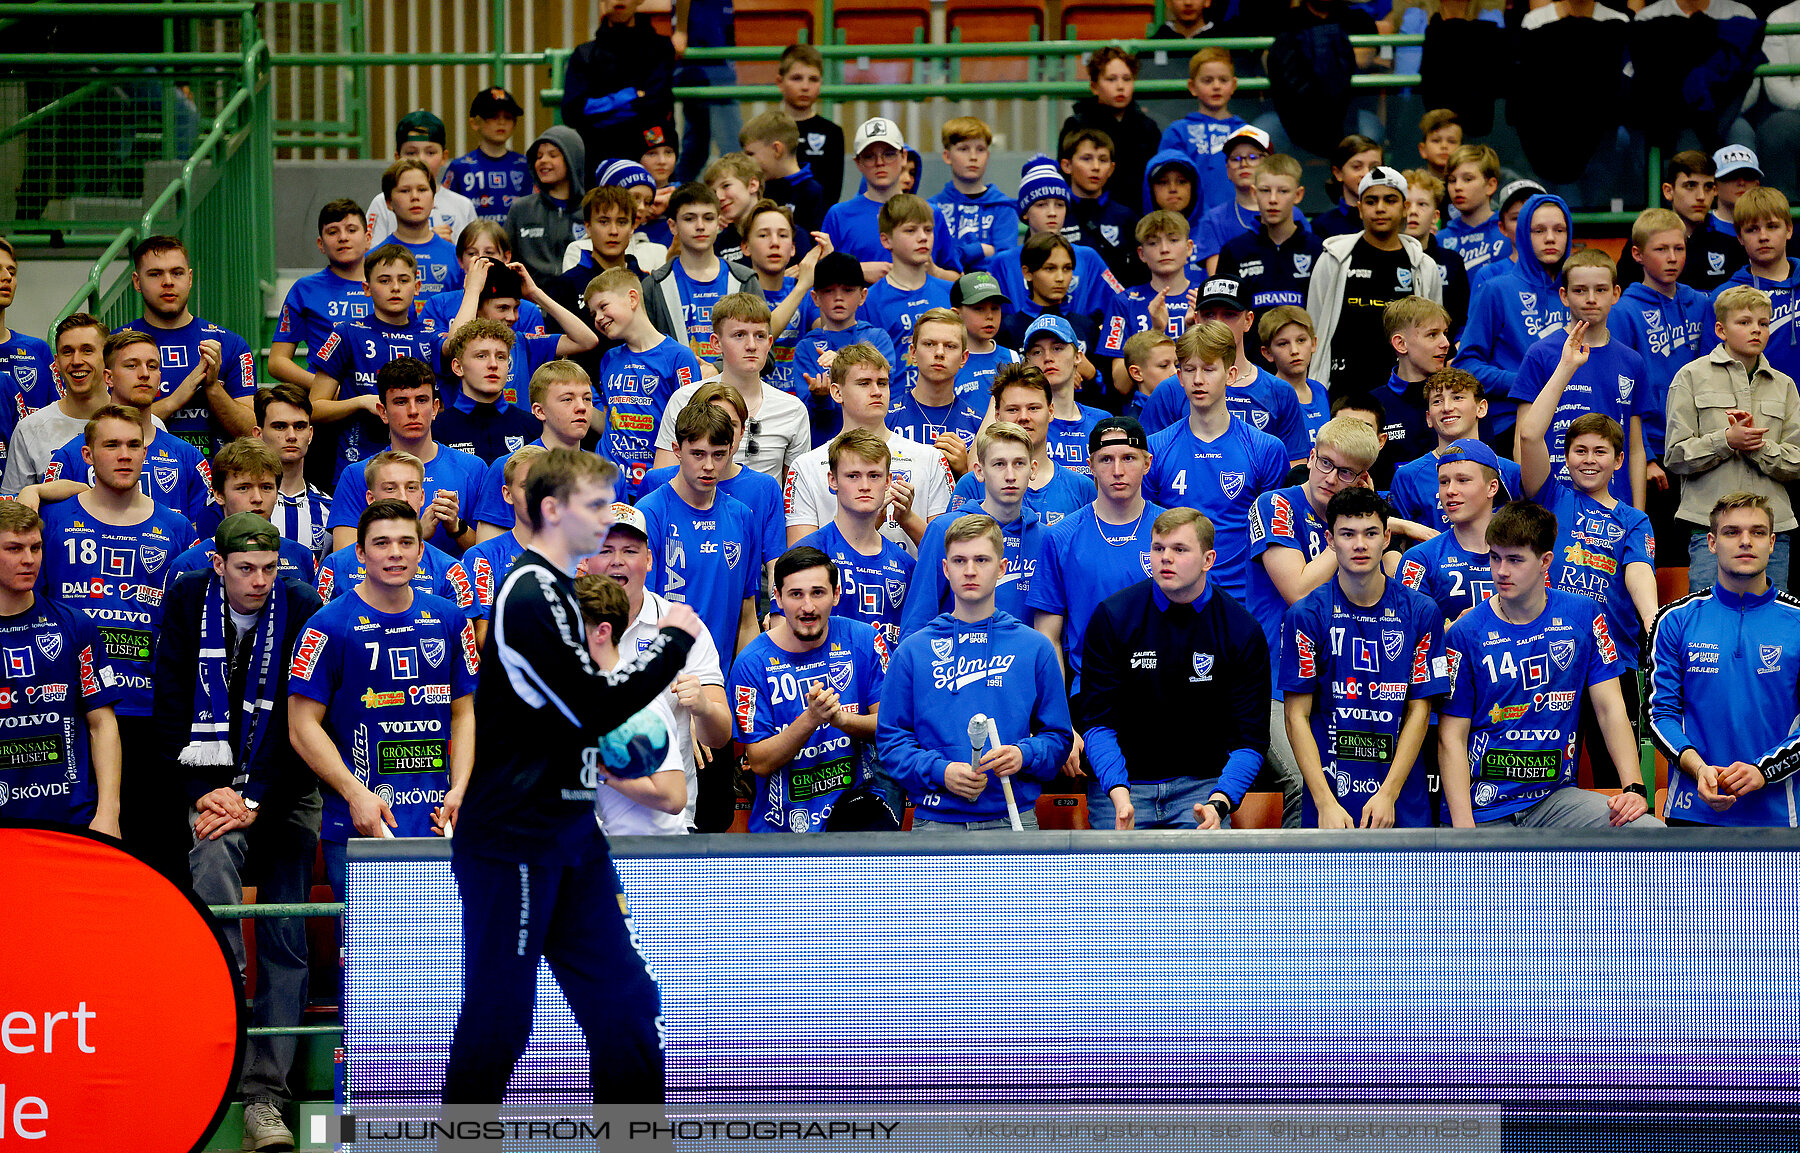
(1157, 804)
(1027, 818)
(1703, 566)
(706, 121)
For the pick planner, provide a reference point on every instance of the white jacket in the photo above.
(1325, 291)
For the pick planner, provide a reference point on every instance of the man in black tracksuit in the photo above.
(531, 865)
(1173, 646)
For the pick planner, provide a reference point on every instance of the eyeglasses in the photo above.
(1325, 466)
(1243, 159)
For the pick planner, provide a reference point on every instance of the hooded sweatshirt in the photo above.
(1200, 136)
(991, 218)
(1511, 311)
(1161, 163)
(941, 677)
(539, 226)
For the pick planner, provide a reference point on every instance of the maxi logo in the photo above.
(1306, 654)
(306, 654)
(745, 711)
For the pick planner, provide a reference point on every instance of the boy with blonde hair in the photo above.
(737, 181)
(908, 231)
(1212, 80)
(1473, 233)
(1159, 306)
(772, 140)
(1274, 259)
(1765, 226)
(1149, 360)
(1418, 332)
(983, 220)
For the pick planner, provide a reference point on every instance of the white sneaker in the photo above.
(264, 1131)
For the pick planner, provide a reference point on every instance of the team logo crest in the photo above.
(1203, 666)
(1715, 262)
(518, 181)
(1110, 232)
(439, 271)
(1486, 793)
(166, 478)
(840, 677)
(153, 557)
(1392, 641)
(1231, 484)
(514, 443)
(1528, 301)
(941, 647)
(1403, 278)
(1771, 657)
(1625, 384)
(733, 551)
(1259, 418)
(25, 375)
(815, 142)
(1144, 560)
(433, 650)
(896, 590)
(1562, 652)
(50, 644)
(1303, 263)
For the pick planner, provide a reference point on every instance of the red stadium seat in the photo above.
(1662, 803)
(772, 23)
(1062, 811)
(661, 13)
(995, 21)
(1671, 584)
(881, 22)
(1127, 20)
(1259, 811)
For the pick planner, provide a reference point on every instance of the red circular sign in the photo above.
(119, 1007)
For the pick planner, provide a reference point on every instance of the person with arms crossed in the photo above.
(805, 697)
(1165, 647)
(528, 856)
(1722, 712)
(1518, 663)
(1361, 658)
(228, 631)
(971, 662)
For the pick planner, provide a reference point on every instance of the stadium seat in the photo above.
(881, 22)
(995, 21)
(1128, 20)
(771, 23)
(1259, 811)
(1662, 801)
(1062, 811)
(661, 13)
(1671, 584)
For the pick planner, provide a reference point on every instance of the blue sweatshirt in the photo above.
(941, 677)
(1476, 244)
(1783, 349)
(1667, 334)
(1724, 685)
(1091, 289)
(990, 218)
(930, 596)
(1511, 311)
(1201, 136)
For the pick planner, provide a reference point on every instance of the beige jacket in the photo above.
(1699, 397)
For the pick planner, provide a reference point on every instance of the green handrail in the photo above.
(300, 909)
(30, 119)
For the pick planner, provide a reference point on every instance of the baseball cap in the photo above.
(245, 532)
(627, 516)
(878, 130)
(1381, 176)
(1221, 290)
(1735, 158)
(975, 287)
(1473, 451)
(419, 125)
(1123, 430)
(1519, 190)
(836, 269)
(1055, 325)
(1248, 132)
(490, 102)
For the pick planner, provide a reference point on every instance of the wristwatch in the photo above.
(461, 526)
(1638, 788)
(1223, 807)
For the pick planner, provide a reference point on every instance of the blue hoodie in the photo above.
(1511, 310)
(1477, 244)
(1783, 349)
(1200, 136)
(1091, 290)
(991, 218)
(1196, 267)
(1667, 334)
(941, 677)
(929, 594)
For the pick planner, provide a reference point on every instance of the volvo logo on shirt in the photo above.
(1562, 652)
(1203, 666)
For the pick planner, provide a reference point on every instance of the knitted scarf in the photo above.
(211, 730)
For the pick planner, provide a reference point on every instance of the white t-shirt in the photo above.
(620, 816)
(448, 207)
(702, 664)
(811, 501)
(780, 430)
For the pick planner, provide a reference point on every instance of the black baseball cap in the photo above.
(839, 268)
(1221, 290)
(419, 125)
(1116, 430)
(490, 102)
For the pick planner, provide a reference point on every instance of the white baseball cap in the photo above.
(1248, 132)
(1734, 158)
(878, 130)
(1381, 176)
(627, 516)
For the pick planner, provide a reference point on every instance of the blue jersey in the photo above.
(54, 671)
(636, 388)
(441, 310)
(1068, 492)
(116, 574)
(31, 365)
(1091, 287)
(1269, 404)
(180, 348)
(317, 303)
(1223, 223)
(351, 355)
(1130, 315)
(447, 471)
(1724, 680)
(176, 475)
(757, 491)
(1067, 441)
(490, 183)
(295, 560)
(924, 423)
(708, 559)
(1593, 545)
(1024, 540)
(1083, 563)
(387, 681)
(481, 571)
(1362, 665)
(827, 418)
(1414, 490)
(341, 572)
(1443, 570)
(893, 309)
(990, 217)
(1610, 383)
(302, 518)
(697, 301)
(438, 267)
(1315, 411)
(1280, 519)
(1520, 686)
(767, 690)
(871, 589)
(782, 353)
(1667, 333)
(1477, 244)
(977, 375)
(1222, 478)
